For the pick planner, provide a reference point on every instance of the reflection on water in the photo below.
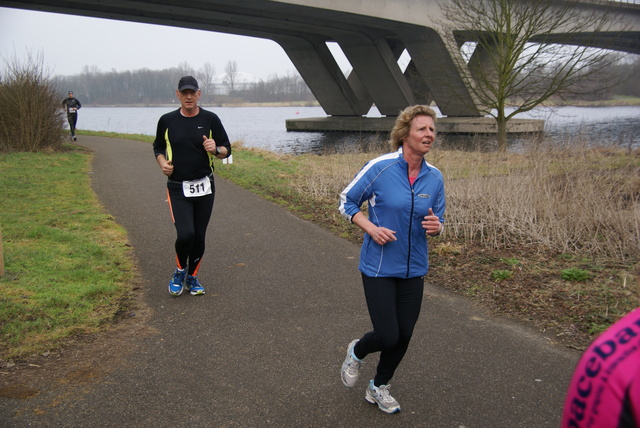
(264, 127)
(340, 142)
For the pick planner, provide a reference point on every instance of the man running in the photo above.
(72, 105)
(186, 142)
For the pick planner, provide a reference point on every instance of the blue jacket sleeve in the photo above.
(354, 195)
(440, 204)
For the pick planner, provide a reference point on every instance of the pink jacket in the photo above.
(605, 388)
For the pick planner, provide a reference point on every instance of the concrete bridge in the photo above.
(373, 34)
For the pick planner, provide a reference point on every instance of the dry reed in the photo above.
(576, 201)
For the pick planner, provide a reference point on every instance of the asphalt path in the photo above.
(264, 345)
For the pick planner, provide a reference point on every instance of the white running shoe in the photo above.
(350, 367)
(381, 396)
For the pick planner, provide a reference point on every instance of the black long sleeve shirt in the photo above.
(179, 139)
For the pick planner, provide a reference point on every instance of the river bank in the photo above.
(618, 101)
(225, 104)
(265, 127)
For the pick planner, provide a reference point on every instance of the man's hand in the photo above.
(209, 144)
(165, 165)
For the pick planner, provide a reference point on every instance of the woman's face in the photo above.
(422, 135)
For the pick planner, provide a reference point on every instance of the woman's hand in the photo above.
(382, 235)
(431, 224)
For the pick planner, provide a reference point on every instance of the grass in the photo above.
(68, 269)
(134, 137)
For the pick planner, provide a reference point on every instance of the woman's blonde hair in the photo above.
(403, 123)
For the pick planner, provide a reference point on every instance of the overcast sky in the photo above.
(68, 43)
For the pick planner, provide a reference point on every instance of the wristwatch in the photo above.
(217, 150)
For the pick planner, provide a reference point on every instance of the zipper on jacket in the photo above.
(410, 230)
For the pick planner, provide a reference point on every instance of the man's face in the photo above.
(188, 98)
(70, 94)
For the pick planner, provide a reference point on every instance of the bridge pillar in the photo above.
(480, 63)
(441, 74)
(376, 66)
(421, 91)
(337, 95)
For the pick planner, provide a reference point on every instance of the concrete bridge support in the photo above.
(440, 68)
(337, 95)
(377, 68)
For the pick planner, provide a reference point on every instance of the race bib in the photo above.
(195, 188)
(72, 109)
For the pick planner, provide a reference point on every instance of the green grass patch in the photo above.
(575, 275)
(501, 274)
(135, 137)
(262, 172)
(68, 269)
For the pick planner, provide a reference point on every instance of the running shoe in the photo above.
(350, 367)
(381, 396)
(176, 285)
(194, 286)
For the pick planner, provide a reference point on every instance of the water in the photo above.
(601, 126)
(264, 127)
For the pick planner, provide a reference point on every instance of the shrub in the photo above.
(31, 119)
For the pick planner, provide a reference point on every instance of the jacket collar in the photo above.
(423, 169)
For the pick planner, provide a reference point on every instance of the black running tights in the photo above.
(394, 306)
(73, 119)
(191, 217)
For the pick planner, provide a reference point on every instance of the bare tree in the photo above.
(185, 69)
(231, 75)
(527, 51)
(152, 87)
(205, 77)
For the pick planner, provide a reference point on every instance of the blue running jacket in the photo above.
(397, 205)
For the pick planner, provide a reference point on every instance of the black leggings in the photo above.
(191, 217)
(73, 119)
(394, 306)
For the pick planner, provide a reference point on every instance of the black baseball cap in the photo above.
(188, 82)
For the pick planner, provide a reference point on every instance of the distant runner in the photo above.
(72, 105)
(605, 388)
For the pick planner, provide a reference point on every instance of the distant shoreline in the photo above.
(617, 102)
(213, 105)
